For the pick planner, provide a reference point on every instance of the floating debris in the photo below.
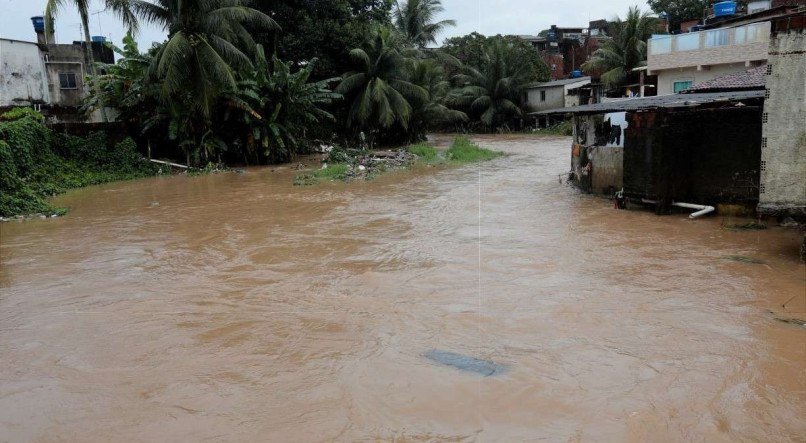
(743, 259)
(465, 363)
(792, 321)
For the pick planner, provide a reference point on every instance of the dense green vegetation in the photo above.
(36, 163)
(356, 71)
(243, 82)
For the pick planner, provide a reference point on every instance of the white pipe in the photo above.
(176, 165)
(701, 209)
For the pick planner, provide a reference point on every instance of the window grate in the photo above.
(67, 80)
(769, 69)
(765, 117)
(761, 188)
(763, 165)
(763, 142)
(767, 93)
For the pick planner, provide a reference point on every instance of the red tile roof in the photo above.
(751, 79)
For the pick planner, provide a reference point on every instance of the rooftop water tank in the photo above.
(576, 74)
(39, 23)
(99, 39)
(723, 9)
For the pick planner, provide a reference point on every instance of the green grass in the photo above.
(461, 151)
(465, 151)
(335, 172)
(426, 153)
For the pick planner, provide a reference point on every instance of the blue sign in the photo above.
(724, 8)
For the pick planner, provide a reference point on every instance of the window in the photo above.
(682, 85)
(67, 80)
(542, 96)
(717, 37)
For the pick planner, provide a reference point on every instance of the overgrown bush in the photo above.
(36, 164)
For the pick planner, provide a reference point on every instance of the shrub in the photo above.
(31, 171)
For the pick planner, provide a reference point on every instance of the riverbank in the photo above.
(37, 164)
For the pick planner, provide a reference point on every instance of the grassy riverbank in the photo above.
(36, 163)
(360, 166)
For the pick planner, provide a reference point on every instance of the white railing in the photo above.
(695, 41)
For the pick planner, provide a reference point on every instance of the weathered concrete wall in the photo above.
(783, 152)
(66, 59)
(597, 157)
(555, 98)
(22, 74)
(607, 171)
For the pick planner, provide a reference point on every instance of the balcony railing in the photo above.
(714, 38)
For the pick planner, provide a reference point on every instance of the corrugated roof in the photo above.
(661, 101)
(563, 82)
(751, 79)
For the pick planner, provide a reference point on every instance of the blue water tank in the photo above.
(576, 73)
(99, 39)
(723, 9)
(39, 23)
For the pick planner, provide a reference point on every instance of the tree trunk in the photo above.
(85, 22)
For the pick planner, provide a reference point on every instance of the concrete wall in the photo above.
(599, 141)
(22, 74)
(667, 78)
(607, 172)
(555, 98)
(783, 152)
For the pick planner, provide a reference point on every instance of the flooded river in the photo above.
(236, 307)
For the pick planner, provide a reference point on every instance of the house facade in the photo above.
(722, 46)
(47, 76)
(555, 94)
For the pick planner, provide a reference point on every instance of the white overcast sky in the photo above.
(485, 16)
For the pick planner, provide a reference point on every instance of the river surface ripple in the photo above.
(236, 307)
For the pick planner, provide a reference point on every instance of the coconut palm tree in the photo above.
(415, 20)
(493, 93)
(121, 8)
(208, 41)
(617, 57)
(430, 75)
(379, 91)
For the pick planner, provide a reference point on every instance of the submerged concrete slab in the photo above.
(465, 363)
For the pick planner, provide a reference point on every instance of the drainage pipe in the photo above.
(701, 209)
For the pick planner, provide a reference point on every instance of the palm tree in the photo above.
(617, 57)
(414, 19)
(121, 8)
(430, 75)
(208, 40)
(379, 91)
(493, 93)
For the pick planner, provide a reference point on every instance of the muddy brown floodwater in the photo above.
(237, 307)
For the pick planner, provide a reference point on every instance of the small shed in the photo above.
(699, 147)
